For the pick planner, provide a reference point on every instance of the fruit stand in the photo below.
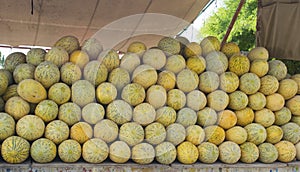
(164, 105)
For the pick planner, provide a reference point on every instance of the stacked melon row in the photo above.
(180, 100)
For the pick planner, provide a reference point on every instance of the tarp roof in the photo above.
(42, 22)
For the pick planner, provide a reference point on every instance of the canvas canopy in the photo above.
(278, 28)
(115, 22)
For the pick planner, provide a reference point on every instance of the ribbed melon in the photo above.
(69, 151)
(69, 42)
(274, 134)
(43, 150)
(133, 94)
(15, 149)
(47, 110)
(13, 60)
(286, 151)
(23, 71)
(268, 85)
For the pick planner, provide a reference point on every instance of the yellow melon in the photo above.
(144, 114)
(165, 115)
(155, 58)
(236, 134)
(192, 49)
(257, 101)
(217, 62)
(291, 132)
(226, 119)
(11, 91)
(286, 151)
(70, 73)
(244, 116)
(288, 88)
(106, 92)
(229, 82)
(81, 132)
(294, 105)
(137, 47)
(210, 43)
(31, 91)
(249, 152)
(250, 83)
(47, 74)
(119, 111)
(132, 133)
(7, 126)
(69, 43)
(208, 81)
(176, 99)
(195, 134)
(110, 58)
(95, 150)
(268, 85)
(208, 152)
(230, 152)
(30, 127)
(165, 153)
(133, 94)
(106, 130)
(265, 117)
(214, 134)
(187, 153)
(196, 64)
(258, 53)
(274, 134)
(143, 153)
(175, 63)
(119, 78)
(60, 93)
(230, 48)
(167, 79)
(119, 152)
(259, 67)
(239, 64)
(267, 153)
(80, 58)
(217, 100)
(275, 102)
(296, 78)
(144, 75)
(15, 154)
(206, 117)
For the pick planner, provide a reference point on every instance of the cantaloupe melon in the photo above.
(47, 110)
(137, 47)
(291, 132)
(296, 78)
(69, 42)
(7, 126)
(80, 58)
(133, 94)
(106, 92)
(267, 153)
(165, 115)
(93, 47)
(47, 73)
(176, 99)
(130, 61)
(30, 127)
(249, 152)
(265, 117)
(93, 113)
(167, 79)
(274, 134)
(70, 73)
(132, 133)
(57, 131)
(95, 72)
(144, 75)
(60, 93)
(176, 133)
(209, 44)
(226, 119)
(258, 53)
(187, 153)
(119, 78)
(239, 64)
(286, 151)
(15, 154)
(155, 133)
(169, 45)
(268, 85)
(196, 100)
(70, 113)
(175, 63)
(31, 91)
(229, 82)
(244, 116)
(186, 116)
(238, 100)
(144, 114)
(196, 64)
(230, 48)
(294, 105)
(208, 152)
(165, 153)
(13, 60)
(23, 71)
(110, 59)
(57, 55)
(35, 56)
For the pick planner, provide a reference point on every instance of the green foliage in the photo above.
(243, 31)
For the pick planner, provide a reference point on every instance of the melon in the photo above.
(206, 117)
(83, 92)
(110, 59)
(93, 113)
(259, 67)
(106, 93)
(132, 133)
(175, 133)
(155, 58)
(3, 83)
(257, 101)
(217, 100)
(229, 82)
(265, 117)
(155, 133)
(169, 45)
(43, 150)
(296, 119)
(17, 107)
(286, 151)
(267, 153)
(35, 56)
(70, 73)
(144, 114)
(165, 115)
(291, 132)
(119, 152)
(269, 85)
(95, 151)
(15, 150)
(186, 117)
(275, 102)
(250, 83)
(217, 62)
(294, 105)
(119, 78)
(196, 64)
(60, 93)
(239, 64)
(196, 100)
(57, 55)
(119, 111)
(187, 153)
(183, 42)
(24, 71)
(282, 116)
(80, 58)
(167, 79)
(258, 53)
(81, 132)
(277, 69)
(165, 153)
(208, 152)
(296, 78)
(8, 74)
(192, 49)
(208, 81)
(230, 48)
(209, 44)
(7, 126)
(176, 99)
(47, 74)
(175, 63)
(130, 61)
(92, 47)
(274, 134)
(11, 91)
(187, 80)
(244, 116)
(69, 151)
(230, 152)
(249, 152)
(57, 131)
(69, 42)
(236, 134)
(31, 91)
(156, 96)
(144, 75)
(226, 119)
(133, 94)
(297, 150)
(143, 153)
(30, 127)
(238, 100)
(13, 60)
(70, 113)
(288, 88)
(137, 47)
(47, 110)
(257, 134)
(195, 134)
(106, 130)
(95, 72)
(214, 134)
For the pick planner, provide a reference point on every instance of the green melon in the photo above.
(70, 113)
(7, 126)
(282, 116)
(196, 100)
(57, 55)
(165, 153)
(257, 101)
(13, 60)
(238, 100)
(169, 45)
(239, 64)
(230, 152)
(110, 58)
(57, 131)
(35, 56)
(250, 83)
(69, 151)
(23, 71)
(60, 93)
(249, 152)
(47, 73)
(208, 152)
(291, 132)
(229, 82)
(130, 61)
(176, 99)
(267, 153)
(119, 78)
(47, 110)
(69, 42)
(206, 117)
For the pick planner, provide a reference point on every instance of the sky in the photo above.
(191, 33)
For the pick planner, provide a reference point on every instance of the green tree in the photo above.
(243, 32)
